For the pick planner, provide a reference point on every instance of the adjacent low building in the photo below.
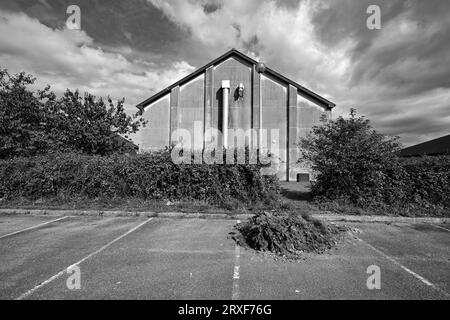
(125, 146)
(235, 93)
(435, 147)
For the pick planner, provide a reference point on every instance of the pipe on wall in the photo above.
(225, 107)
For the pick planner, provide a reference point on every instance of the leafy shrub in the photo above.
(146, 176)
(427, 180)
(34, 123)
(357, 166)
(354, 162)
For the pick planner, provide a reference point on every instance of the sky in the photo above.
(397, 76)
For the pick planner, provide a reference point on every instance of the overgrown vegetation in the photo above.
(359, 168)
(36, 123)
(287, 234)
(65, 150)
(427, 180)
(148, 177)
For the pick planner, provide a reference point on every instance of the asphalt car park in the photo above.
(162, 258)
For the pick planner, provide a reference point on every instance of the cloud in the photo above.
(408, 56)
(280, 33)
(397, 76)
(71, 59)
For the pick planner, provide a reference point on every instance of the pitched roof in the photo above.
(433, 147)
(234, 52)
(124, 142)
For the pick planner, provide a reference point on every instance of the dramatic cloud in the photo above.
(70, 59)
(398, 76)
(281, 34)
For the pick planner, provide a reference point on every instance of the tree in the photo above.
(353, 161)
(89, 125)
(21, 114)
(39, 123)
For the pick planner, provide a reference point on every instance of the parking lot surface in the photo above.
(157, 258)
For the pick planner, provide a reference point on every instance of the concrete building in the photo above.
(243, 94)
(125, 146)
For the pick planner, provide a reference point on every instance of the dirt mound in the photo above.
(287, 234)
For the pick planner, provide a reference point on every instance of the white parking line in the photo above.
(62, 272)
(417, 276)
(237, 255)
(448, 230)
(186, 251)
(32, 227)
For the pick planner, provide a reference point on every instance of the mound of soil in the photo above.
(287, 234)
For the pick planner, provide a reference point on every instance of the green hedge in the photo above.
(427, 180)
(146, 176)
(418, 184)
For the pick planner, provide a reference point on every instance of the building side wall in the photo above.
(155, 135)
(308, 115)
(240, 109)
(268, 104)
(190, 113)
(274, 105)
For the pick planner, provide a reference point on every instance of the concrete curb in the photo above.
(182, 215)
(203, 215)
(351, 218)
(107, 213)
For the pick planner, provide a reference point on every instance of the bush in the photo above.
(427, 180)
(36, 123)
(353, 162)
(146, 176)
(357, 166)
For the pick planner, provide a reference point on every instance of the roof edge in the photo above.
(329, 105)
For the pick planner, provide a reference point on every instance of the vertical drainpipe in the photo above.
(225, 98)
(260, 117)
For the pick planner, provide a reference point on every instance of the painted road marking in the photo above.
(62, 272)
(186, 251)
(417, 276)
(237, 255)
(33, 227)
(448, 230)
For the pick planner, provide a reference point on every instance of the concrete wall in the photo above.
(274, 107)
(191, 110)
(240, 111)
(308, 115)
(155, 135)
(268, 103)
